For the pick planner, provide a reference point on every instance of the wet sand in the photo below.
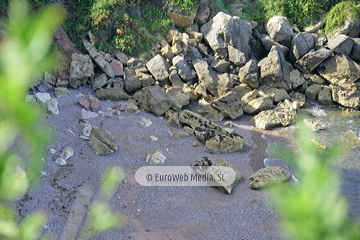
(148, 212)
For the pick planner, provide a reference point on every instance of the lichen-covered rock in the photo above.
(268, 176)
(130, 106)
(348, 95)
(153, 99)
(229, 105)
(102, 141)
(159, 68)
(339, 69)
(312, 60)
(81, 70)
(284, 114)
(277, 95)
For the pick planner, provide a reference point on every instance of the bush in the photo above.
(339, 14)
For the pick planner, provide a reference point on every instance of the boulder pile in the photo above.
(231, 69)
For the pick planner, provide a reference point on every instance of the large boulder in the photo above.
(279, 29)
(312, 60)
(153, 99)
(339, 69)
(277, 95)
(301, 44)
(159, 68)
(99, 59)
(348, 95)
(355, 51)
(81, 70)
(249, 74)
(258, 104)
(224, 30)
(274, 69)
(284, 114)
(229, 105)
(341, 44)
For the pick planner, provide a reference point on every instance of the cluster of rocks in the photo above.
(262, 178)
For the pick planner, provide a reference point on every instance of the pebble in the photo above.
(145, 122)
(153, 138)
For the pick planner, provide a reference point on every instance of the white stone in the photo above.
(156, 158)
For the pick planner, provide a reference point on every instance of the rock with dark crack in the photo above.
(153, 99)
(102, 141)
(268, 176)
(215, 138)
(229, 105)
(99, 60)
(284, 114)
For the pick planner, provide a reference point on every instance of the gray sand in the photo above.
(148, 212)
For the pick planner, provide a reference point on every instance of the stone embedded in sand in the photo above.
(227, 143)
(229, 188)
(86, 115)
(178, 133)
(102, 141)
(153, 138)
(153, 99)
(52, 106)
(156, 158)
(67, 153)
(60, 161)
(268, 176)
(130, 106)
(87, 130)
(61, 91)
(145, 122)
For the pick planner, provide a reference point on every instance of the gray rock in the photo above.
(236, 56)
(225, 83)
(341, 44)
(81, 70)
(60, 92)
(173, 118)
(180, 43)
(224, 30)
(279, 29)
(227, 143)
(52, 106)
(301, 44)
(312, 60)
(229, 105)
(210, 113)
(156, 158)
(130, 106)
(159, 68)
(166, 52)
(131, 82)
(249, 74)
(339, 69)
(238, 179)
(295, 79)
(242, 89)
(203, 12)
(153, 99)
(175, 79)
(50, 78)
(298, 98)
(102, 141)
(183, 69)
(284, 114)
(315, 78)
(194, 53)
(99, 82)
(136, 64)
(312, 91)
(250, 96)
(220, 65)
(277, 95)
(355, 51)
(269, 176)
(350, 27)
(325, 96)
(348, 95)
(208, 80)
(98, 59)
(274, 68)
(258, 104)
(42, 97)
(268, 43)
(179, 98)
(122, 57)
(113, 91)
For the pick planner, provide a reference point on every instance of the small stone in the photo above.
(42, 97)
(228, 124)
(115, 112)
(195, 144)
(131, 107)
(84, 103)
(52, 151)
(95, 105)
(145, 122)
(156, 158)
(178, 133)
(102, 141)
(52, 106)
(313, 125)
(60, 161)
(318, 144)
(87, 129)
(79, 95)
(67, 153)
(153, 138)
(61, 91)
(30, 98)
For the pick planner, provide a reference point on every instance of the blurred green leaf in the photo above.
(103, 218)
(111, 180)
(32, 225)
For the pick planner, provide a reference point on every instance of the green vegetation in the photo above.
(186, 6)
(339, 14)
(314, 209)
(29, 37)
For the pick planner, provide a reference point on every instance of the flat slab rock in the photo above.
(268, 176)
(102, 141)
